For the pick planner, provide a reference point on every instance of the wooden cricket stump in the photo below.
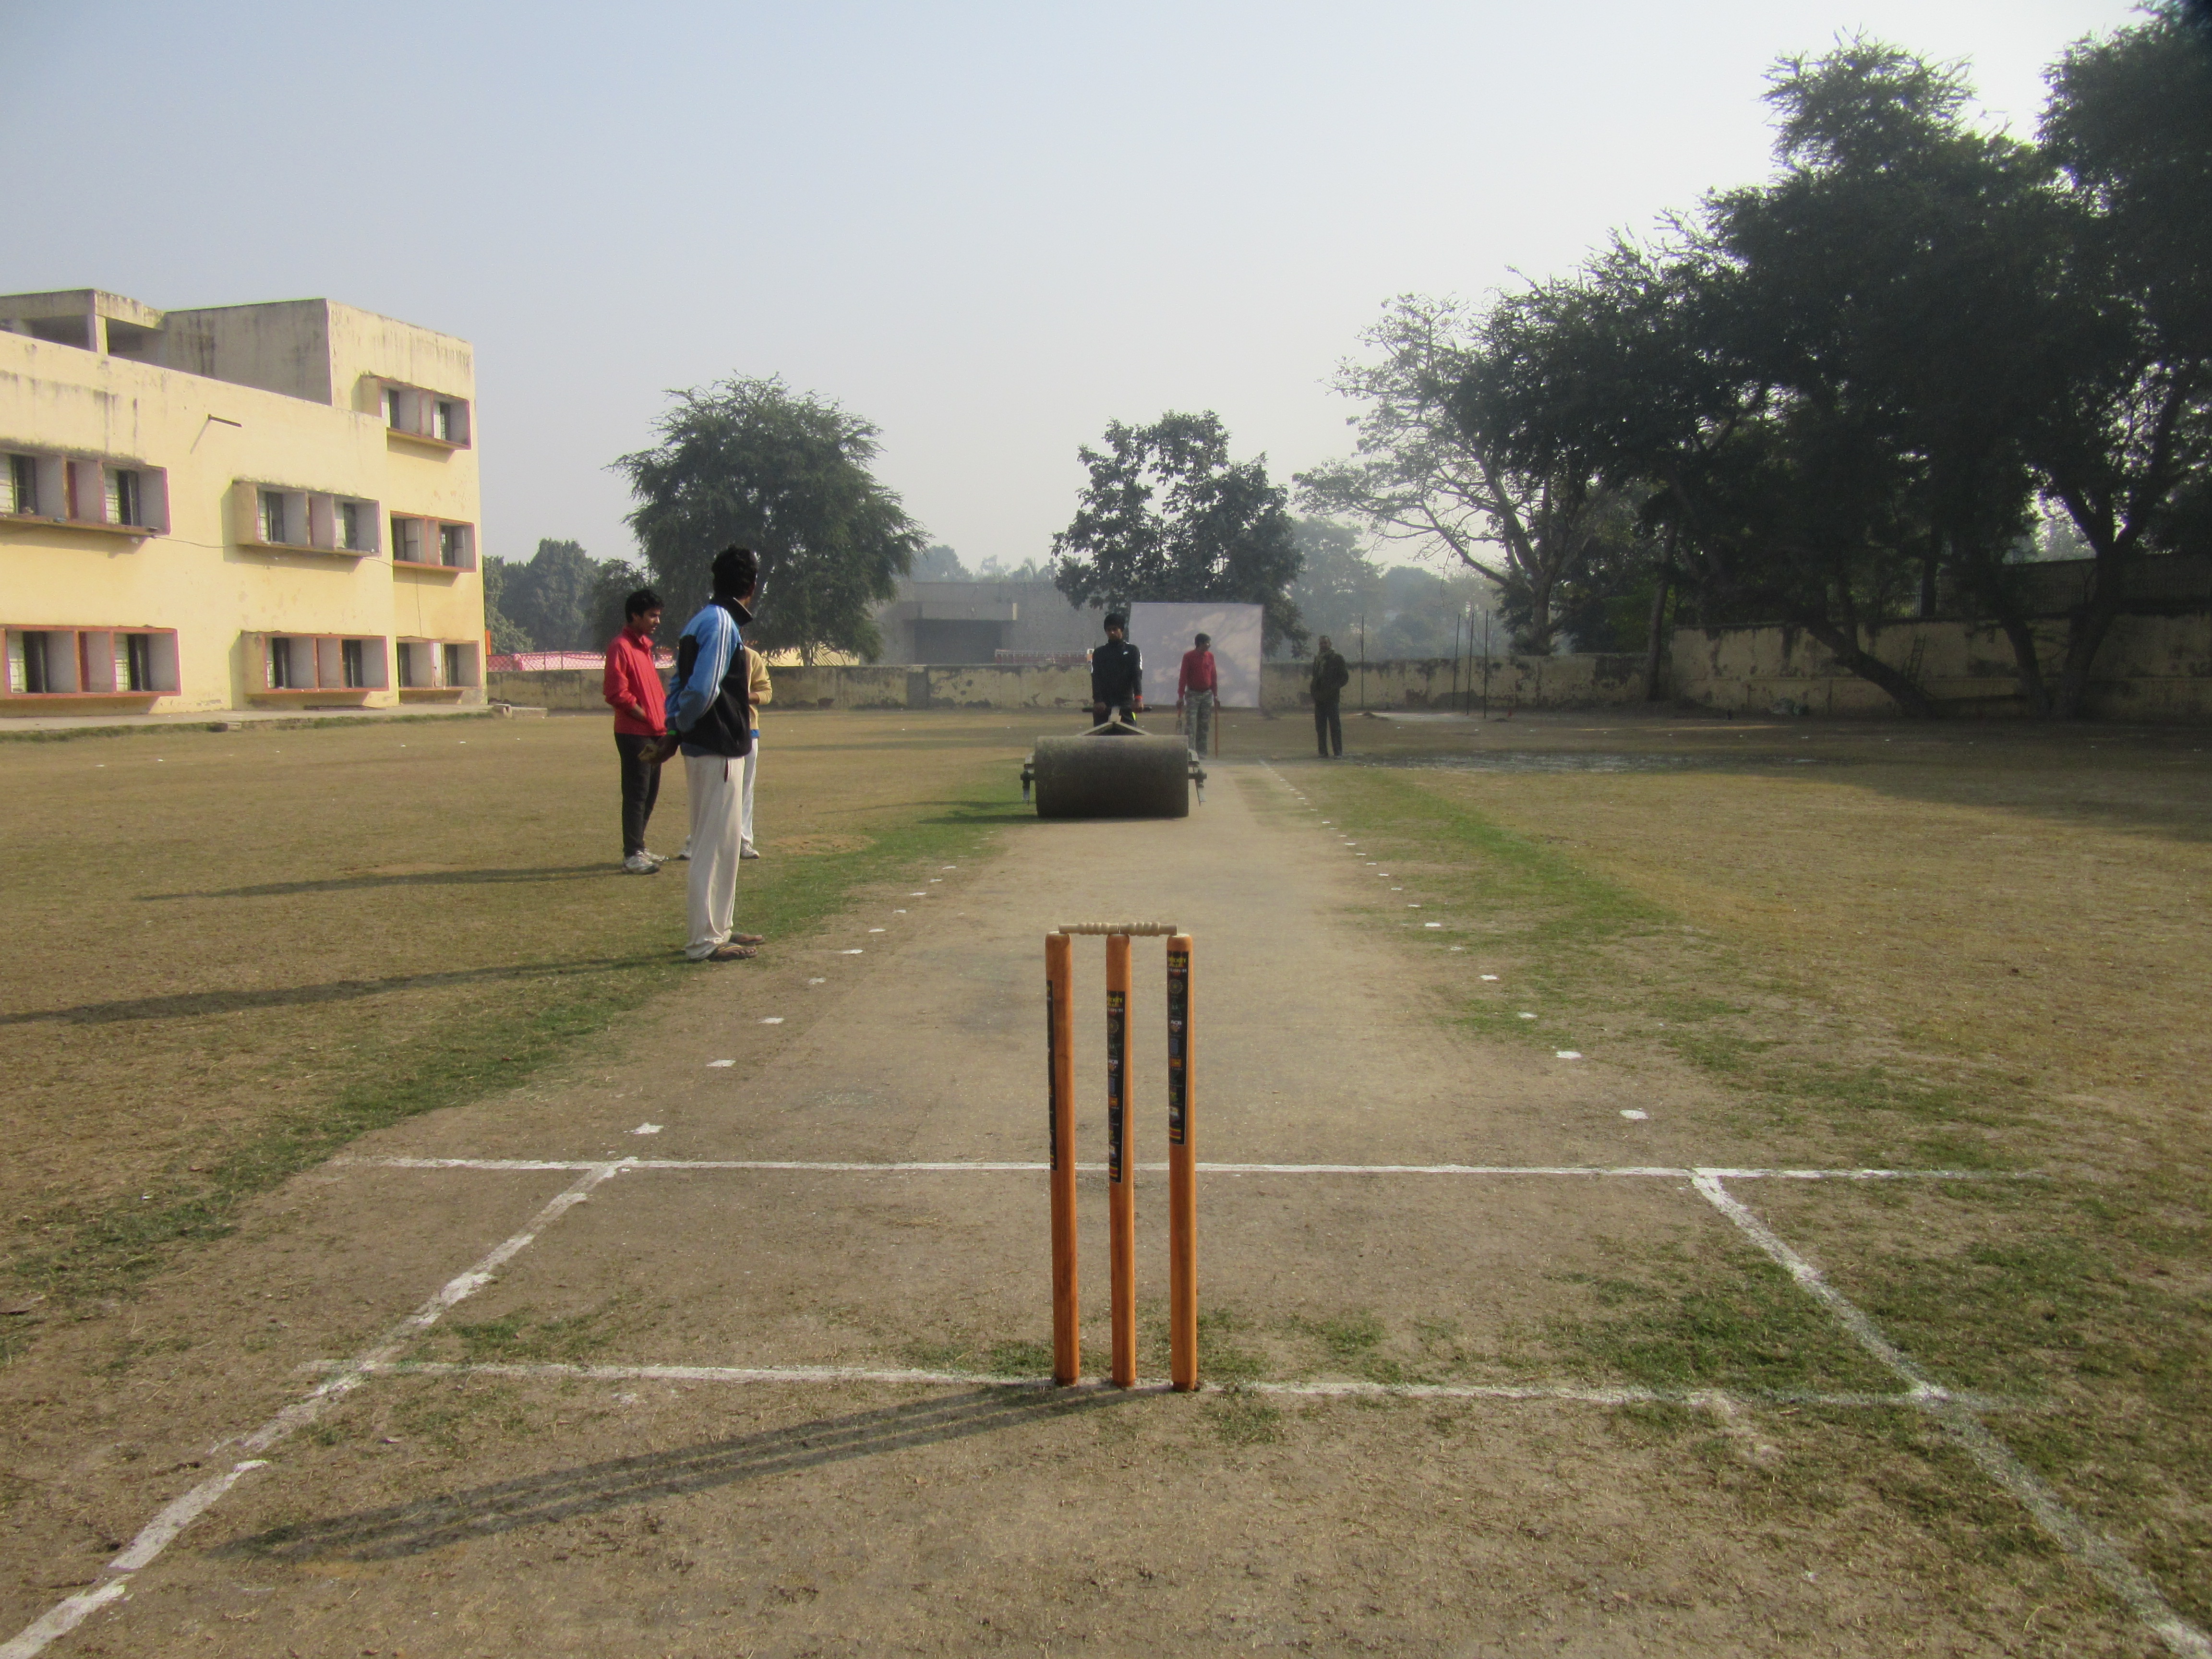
(1120, 1169)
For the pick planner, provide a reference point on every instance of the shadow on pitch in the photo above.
(372, 882)
(539, 1500)
(190, 1005)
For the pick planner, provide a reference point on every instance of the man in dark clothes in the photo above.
(1117, 676)
(1330, 677)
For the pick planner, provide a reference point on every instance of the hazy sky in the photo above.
(990, 230)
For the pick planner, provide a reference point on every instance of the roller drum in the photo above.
(1112, 777)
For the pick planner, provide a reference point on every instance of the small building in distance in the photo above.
(982, 621)
(255, 506)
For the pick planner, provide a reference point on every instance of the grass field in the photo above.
(1967, 946)
(1971, 947)
(239, 949)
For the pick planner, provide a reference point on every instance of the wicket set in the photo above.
(1120, 1169)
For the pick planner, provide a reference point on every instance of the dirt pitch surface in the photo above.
(1527, 1327)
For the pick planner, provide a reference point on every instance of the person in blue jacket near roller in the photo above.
(712, 720)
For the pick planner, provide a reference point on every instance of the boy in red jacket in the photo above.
(632, 690)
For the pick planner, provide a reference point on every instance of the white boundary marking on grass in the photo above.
(346, 1375)
(2127, 1584)
(1659, 1171)
(1572, 1392)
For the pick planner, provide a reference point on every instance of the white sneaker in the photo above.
(683, 853)
(749, 851)
(640, 864)
(658, 858)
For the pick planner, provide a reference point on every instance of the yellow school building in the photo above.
(243, 506)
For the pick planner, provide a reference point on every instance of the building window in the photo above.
(122, 495)
(91, 490)
(436, 665)
(91, 662)
(416, 413)
(433, 543)
(22, 485)
(323, 662)
(304, 520)
(28, 670)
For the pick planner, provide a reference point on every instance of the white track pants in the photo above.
(714, 782)
(745, 799)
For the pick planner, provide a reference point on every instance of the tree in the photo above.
(1428, 468)
(2126, 446)
(1337, 583)
(1168, 516)
(507, 635)
(749, 461)
(550, 596)
(939, 564)
(1890, 207)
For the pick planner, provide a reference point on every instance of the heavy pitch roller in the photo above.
(1113, 771)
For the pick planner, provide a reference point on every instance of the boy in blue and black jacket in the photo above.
(713, 719)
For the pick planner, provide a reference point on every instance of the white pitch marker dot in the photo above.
(771, 1020)
(1526, 1015)
(1411, 904)
(647, 1129)
(948, 867)
(854, 951)
(1397, 889)
(1632, 1115)
(714, 1064)
(1432, 924)
(1567, 1054)
(917, 895)
(875, 930)
(898, 913)
(817, 981)
(1490, 976)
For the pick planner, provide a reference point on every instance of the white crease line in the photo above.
(1661, 1171)
(346, 1375)
(1574, 1393)
(2119, 1574)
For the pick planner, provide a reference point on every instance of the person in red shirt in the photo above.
(1195, 688)
(632, 690)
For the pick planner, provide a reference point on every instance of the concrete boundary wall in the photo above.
(1566, 681)
(2152, 668)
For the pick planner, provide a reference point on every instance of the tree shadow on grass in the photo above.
(192, 1003)
(371, 881)
(430, 1523)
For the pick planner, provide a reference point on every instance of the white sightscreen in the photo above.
(1162, 633)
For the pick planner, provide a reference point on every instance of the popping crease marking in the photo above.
(2127, 1584)
(1572, 1392)
(345, 1376)
(1658, 1171)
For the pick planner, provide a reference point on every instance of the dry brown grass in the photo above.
(1961, 943)
(215, 935)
